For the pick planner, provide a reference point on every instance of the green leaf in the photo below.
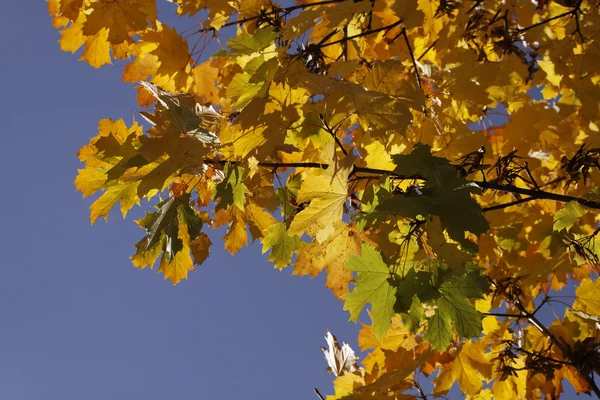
(245, 43)
(253, 82)
(163, 231)
(568, 216)
(458, 212)
(231, 190)
(412, 320)
(439, 331)
(372, 286)
(445, 195)
(414, 283)
(454, 305)
(437, 171)
(281, 244)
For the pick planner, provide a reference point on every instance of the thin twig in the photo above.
(520, 30)
(506, 315)
(319, 394)
(365, 33)
(412, 55)
(512, 203)
(427, 50)
(540, 194)
(333, 134)
(286, 10)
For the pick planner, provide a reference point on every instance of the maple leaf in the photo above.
(446, 195)
(171, 230)
(470, 367)
(330, 255)
(327, 192)
(164, 55)
(372, 286)
(568, 216)
(246, 44)
(119, 18)
(253, 82)
(587, 299)
(231, 190)
(281, 244)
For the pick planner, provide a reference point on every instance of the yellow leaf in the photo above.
(172, 57)
(119, 18)
(471, 364)
(236, 236)
(378, 157)
(90, 180)
(71, 38)
(68, 8)
(515, 385)
(125, 192)
(258, 220)
(144, 66)
(97, 49)
(409, 12)
(588, 297)
(331, 255)
(387, 77)
(205, 78)
(177, 268)
(327, 191)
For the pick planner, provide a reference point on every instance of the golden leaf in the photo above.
(327, 191)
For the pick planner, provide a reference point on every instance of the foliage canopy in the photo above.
(439, 159)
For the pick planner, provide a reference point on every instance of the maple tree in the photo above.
(438, 159)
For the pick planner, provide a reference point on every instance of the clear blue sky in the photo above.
(78, 321)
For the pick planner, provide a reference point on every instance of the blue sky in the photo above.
(78, 321)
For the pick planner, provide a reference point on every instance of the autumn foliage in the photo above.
(438, 160)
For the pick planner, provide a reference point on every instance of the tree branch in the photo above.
(565, 351)
(533, 193)
(333, 132)
(412, 55)
(505, 205)
(285, 10)
(365, 33)
(319, 394)
(521, 30)
(539, 194)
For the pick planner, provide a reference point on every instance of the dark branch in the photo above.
(540, 194)
(505, 315)
(285, 10)
(319, 394)
(365, 33)
(505, 205)
(412, 56)
(333, 132)
(537, 194)
(572, 12)
(556, 342)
